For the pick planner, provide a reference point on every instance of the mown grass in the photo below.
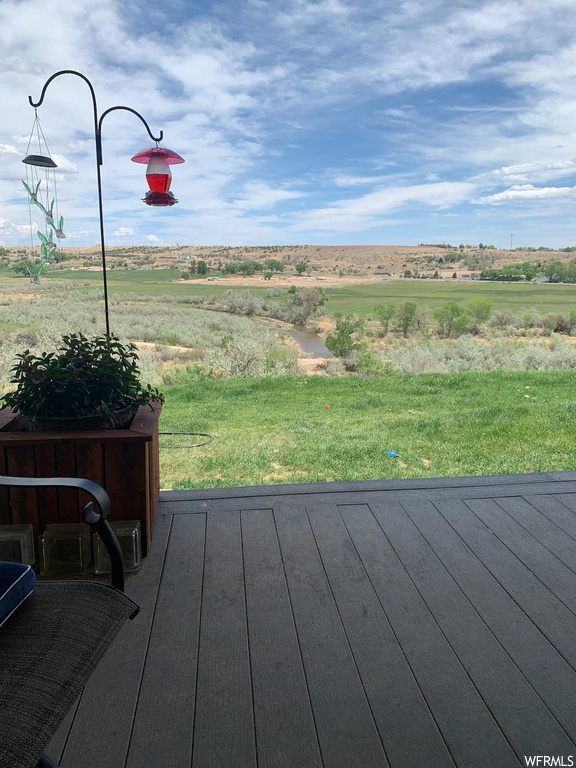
(280, 430)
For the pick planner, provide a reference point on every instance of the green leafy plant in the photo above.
(86, 377)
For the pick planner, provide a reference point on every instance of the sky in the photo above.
(329, 122)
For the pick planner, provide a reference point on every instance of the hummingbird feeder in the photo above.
(158, 174)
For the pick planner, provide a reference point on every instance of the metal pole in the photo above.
(98, 140)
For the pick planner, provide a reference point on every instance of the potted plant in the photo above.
(88, 384)
(81, 412)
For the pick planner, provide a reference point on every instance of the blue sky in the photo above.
(325, 121)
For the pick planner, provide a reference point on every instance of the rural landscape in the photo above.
(313, 363)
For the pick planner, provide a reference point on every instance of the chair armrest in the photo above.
(91, 517)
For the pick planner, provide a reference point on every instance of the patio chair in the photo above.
(53, 641)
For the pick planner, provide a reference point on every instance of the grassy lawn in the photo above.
(279, 430)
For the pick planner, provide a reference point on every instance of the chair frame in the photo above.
(98, 520)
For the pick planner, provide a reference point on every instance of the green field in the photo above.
(280, 430)
(545, 297)
(360, 299)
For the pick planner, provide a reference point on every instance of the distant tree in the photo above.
(192, 267)
(249, 267)
(273, 265)
(300, 268)
(453, 320)
(454, 276)
(303, 304)
(347, 336)
(202, 267)
(20, 268)
(385, 313)
(480, 309)
(406, 317)
(268, 275)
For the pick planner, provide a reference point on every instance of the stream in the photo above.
(311, 344)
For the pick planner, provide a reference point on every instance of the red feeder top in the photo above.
(172, 158)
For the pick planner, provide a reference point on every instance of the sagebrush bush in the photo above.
(469, 354)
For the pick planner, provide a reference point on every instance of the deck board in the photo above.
(530, 728)
(285, 730)
(345, 625)
(346, 729)
(224, 724)
(162, 732)
(551, 676)
(400, 710)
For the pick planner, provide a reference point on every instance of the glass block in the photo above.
(129, 537)
(65, 549)
(17, 544)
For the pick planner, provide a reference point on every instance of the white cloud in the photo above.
(10, 230)
(543, 171)
(371, 209)
(528, 193)
(260, 196)
(7, 150)
(124, 232)
(348, 180)
(153, 239)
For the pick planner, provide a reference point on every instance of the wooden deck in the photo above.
(346, 625)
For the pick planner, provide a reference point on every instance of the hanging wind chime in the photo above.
(40, 184)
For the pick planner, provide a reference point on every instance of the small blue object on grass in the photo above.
(393, 454)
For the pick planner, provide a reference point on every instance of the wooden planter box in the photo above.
(123, 461)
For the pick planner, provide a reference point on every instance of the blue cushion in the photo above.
(16, 583)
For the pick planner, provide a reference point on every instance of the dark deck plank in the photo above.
(355, 486)
(100, 734)
(543, 564)
(556, 511)
(548, 672)
(554, 619)
(162, 731)
(542, 528)
(346, 730)
(472, 734)
(224, 723)
(407, 727)
(527, 722)
(285, 730)
(189, 502)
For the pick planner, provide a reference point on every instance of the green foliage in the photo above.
(248, 268)
(560, 272)
(201, 267)
(453, 320)
(300, 267)
(347, 336)
(273, 265)
(88, 377)
(406, 317)
(480, 309)
(385, 313)
(268, 275)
